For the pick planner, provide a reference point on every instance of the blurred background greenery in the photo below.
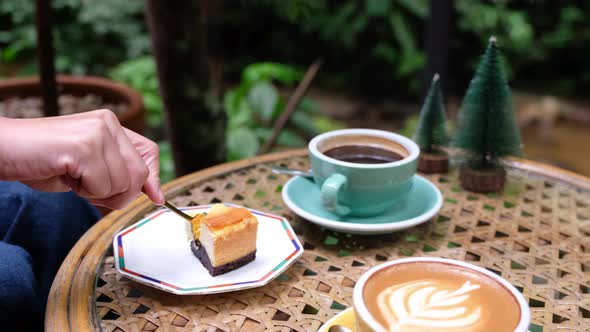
(372, 50)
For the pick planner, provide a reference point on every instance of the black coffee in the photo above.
(363, 154)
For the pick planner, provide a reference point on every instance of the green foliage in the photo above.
(487, 129)
(370, 47)
(252, 108)
(431, 131)
(536, 37)
(241, 143)
(375, 46)
(89, 36)
(140, 74)
(166, 162)
(484, 19)
(347, 24)
(263, 97)
(256, 103)
(517, 29)
(409, 125)
(294, 9)
(362, 41)
(271, 71)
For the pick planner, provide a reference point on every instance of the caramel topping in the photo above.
(232, 216)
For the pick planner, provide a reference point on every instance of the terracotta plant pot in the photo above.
(110, 91)
(482, 181)
(430, 163)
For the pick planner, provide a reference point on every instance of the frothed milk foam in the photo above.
(439, 297)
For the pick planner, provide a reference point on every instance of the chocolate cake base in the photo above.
(202, 255)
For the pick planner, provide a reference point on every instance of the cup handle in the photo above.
(329, 194)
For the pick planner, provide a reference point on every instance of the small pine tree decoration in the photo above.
(431, 132)
(487, 129)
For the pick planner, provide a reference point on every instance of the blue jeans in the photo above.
(37, 230)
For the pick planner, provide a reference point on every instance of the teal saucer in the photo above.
(302, 196)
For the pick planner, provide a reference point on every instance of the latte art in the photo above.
(429, 305)
(426, 296)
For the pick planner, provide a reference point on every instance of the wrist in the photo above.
(13, 150)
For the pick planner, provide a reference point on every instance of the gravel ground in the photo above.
(31, 107)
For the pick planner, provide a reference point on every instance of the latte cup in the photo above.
(359, 188)
(436, 294)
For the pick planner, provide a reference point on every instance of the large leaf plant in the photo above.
(256, 103)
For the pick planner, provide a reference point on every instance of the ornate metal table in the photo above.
(535, 234)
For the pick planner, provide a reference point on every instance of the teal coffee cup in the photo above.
(362, 172)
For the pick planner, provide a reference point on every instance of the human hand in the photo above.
(89, 153)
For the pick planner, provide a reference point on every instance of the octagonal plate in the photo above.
(156, 251)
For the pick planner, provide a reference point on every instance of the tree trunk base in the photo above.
(430, 163)
(482, 181)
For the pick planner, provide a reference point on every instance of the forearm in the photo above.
(8, 162)
(27, 150)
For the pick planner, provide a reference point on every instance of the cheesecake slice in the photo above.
(194, 227)
(227, 239)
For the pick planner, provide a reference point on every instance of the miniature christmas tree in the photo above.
(487, 129)
(431, 132)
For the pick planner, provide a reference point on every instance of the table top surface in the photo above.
(533, 234)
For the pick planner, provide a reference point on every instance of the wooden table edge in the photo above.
(550, 171)
(71, 306)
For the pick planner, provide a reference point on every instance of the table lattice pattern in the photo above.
(530, 234)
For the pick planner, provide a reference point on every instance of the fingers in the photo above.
(53, 184)
(136, 169)
(153, 190)
(115, 163)
(95, 180)
(152, 186)
(101, 170)
(116, 202)
(150, 153)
